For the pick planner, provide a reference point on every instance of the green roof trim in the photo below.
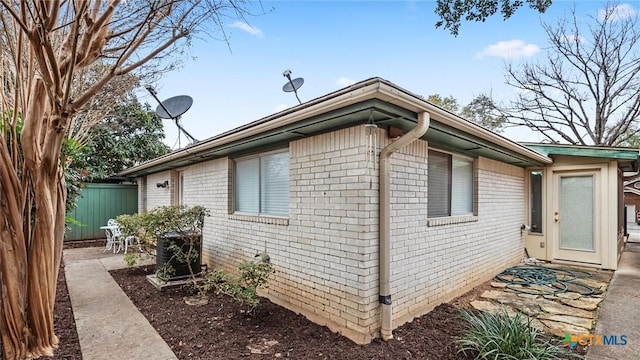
(585, 151)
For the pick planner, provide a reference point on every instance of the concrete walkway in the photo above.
(620, 312)
(109, 326)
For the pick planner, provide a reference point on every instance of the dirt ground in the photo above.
(63, 320)
(222, 329)
(65, 324)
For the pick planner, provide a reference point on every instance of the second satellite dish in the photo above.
(292, 85)
(174, 107)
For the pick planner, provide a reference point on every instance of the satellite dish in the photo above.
(293, 85)
(174, 107)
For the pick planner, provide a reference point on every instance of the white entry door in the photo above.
(576, 216)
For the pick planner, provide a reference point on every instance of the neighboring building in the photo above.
(632, 198)
(375, 205)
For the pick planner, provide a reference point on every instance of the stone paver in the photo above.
(561, 313)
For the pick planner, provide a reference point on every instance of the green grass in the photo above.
(504, 337)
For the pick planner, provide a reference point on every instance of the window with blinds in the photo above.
(450, 185)
(261, 184)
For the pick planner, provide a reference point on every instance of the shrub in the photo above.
(242, 287)
(152, 226)
(501, 336)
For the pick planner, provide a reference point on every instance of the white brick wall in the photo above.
(432, 264)
(157, 196)
(326, 252)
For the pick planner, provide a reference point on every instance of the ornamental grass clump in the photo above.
(502, 336)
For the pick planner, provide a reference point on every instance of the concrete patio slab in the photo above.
(109, 325)
(620, 310)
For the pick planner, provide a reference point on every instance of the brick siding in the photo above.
(326, 251)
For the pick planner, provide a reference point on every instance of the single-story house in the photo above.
(375, 206)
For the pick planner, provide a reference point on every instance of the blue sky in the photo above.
(332, 44)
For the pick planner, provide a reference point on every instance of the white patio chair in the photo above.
(112, 233)
(122, 242)
(129, 240)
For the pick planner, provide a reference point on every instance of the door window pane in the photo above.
(577, 212)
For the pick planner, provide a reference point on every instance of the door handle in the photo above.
(556, 218)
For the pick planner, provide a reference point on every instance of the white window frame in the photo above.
(451, 213)
(261, 211)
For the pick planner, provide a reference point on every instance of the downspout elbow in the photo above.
(385, 222)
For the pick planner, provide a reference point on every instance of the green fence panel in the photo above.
(96, 205)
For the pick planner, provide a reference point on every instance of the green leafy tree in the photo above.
(453, 12)
(587, 89)
(483, 111)
(480, 110)
(130, 135)
(449, 103)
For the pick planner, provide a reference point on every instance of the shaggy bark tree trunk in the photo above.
(32, 228)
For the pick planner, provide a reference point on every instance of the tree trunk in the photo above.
(31, 234)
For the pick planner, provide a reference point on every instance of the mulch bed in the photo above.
(223, 330)
(64, 323)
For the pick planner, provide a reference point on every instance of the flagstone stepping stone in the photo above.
(497, 295)
(568, 295)
(493, 308)
(499, 285)
(585, 324)
(528, 296)
(586, 303)
(559, 329)
(525, 304)
(553, 307)
(595, 284)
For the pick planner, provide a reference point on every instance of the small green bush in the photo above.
(501, 337)
(243, 287)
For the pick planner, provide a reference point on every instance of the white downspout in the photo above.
(385, 220)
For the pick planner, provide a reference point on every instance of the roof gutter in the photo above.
(385, 221)
(365, 90)
(337, 100)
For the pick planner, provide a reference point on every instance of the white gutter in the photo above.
(421, 128)
(375, 88)
(342, 98)
(400, 97)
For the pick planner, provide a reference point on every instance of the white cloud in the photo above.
(345, 81)
(511, 49)
(247, 28)
(617, 12)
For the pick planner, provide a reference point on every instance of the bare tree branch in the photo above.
(587, 91)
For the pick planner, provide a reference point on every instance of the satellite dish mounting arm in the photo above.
(153, 93)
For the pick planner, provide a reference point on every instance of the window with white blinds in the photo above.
(262, 184)
(450, 185)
